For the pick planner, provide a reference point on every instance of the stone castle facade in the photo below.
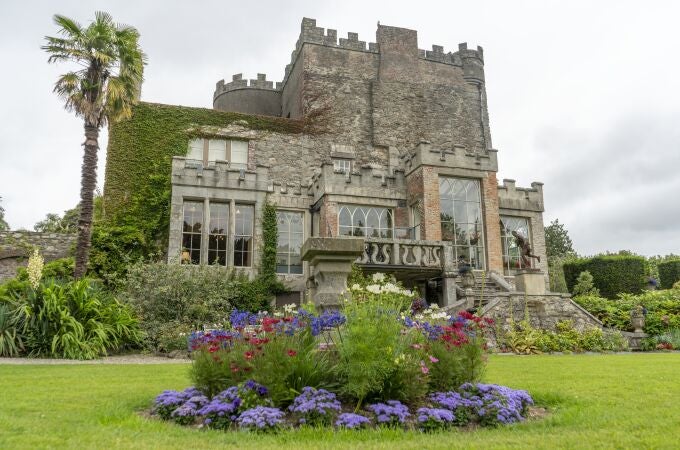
(402, 156)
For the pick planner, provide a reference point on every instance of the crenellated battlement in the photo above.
(455, 157)
(237, 82)
(527, 199)
(458, 58)
(365, 182)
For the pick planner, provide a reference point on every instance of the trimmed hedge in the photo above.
(669, 273)
(613, 274)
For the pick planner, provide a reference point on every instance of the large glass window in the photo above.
(217, 233)
(461, 218)
(291, 235)
(239, 154)
(191, 233)
(243, 235)
(365, 221)
(511, 253)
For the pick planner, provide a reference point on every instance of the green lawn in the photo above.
(597, 401)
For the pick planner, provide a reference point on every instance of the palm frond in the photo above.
(68, 26)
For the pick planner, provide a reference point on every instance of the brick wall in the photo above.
(494, 247)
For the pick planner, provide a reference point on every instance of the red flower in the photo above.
(291, 352)
(249, 355)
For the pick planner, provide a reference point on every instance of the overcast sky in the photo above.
(583, 96)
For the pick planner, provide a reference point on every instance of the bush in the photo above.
(114, 248)
(669, 340)
(75, 319)
(663, 310)
(184, 298)
(584, 285)
(612, 274)
(669, 273)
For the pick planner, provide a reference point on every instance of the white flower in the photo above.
(35, 268)
(419, 316)
(278, 314)
(378, 277)
(290, 308)
(407, 292)
(373, 288)
(356, 287)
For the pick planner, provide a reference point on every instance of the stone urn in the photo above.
(637, 319)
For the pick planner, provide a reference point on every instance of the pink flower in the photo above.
(433, 359)
(416, 346)
(424, 368)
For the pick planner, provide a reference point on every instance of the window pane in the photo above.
(460, 215)
(239, 154)
(243, 235)
(289, 243)
(511, 252)
(191, 234)
(366, 221)
(217, 149)
(195, 149)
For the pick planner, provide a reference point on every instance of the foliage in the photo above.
(556, 274)
(270, 236)
(557, 240)
(54, 223)
(668, 340)
(584, 285)
(58, 269)
(167, 296)
(3, 223)
(75, 319)
(523, 339)
(113, 250)
(11, 341)
(612, 274)
(261, 418)
(669, 273)
(662, 307)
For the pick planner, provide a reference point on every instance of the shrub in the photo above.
(663, 310)
(669, 340)
(315, 406)
(171, 296)
(11, 342)
(612, 274)
(584, 285)
(669, 273)
(114, 249)
(76, 319)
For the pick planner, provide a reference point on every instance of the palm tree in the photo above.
(101, 91)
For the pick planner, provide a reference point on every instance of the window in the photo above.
(243, 235)
(511, 253)
(461, 219)
(217, 233)
(211, 150)
(239, 154)
(191, 233)
(342, 165)
(291, 235)
(365, 221)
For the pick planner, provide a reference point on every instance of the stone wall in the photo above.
(16, 246)
(544, 311)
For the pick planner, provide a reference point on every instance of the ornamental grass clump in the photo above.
(315, 406)
(391, 413)
(352, 421)
(261, 418)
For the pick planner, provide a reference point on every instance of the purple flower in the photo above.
(434, 418)
(352, 421)
(169, 400)
(260, 418)
(391, 413)
(315, 405)
(189, 410)
(220, 411)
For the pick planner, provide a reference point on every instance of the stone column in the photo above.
(492, 218)
(330, 261)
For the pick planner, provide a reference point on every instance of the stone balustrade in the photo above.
(398, 252)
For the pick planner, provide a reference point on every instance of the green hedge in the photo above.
(669, 273)
(613, 274)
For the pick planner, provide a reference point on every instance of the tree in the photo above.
(103, 90)
(584, 285)
(53, 223)
(557, 240)
(3, 224)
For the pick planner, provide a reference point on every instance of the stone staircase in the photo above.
(487, 287)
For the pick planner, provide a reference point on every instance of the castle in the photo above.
(396, 149)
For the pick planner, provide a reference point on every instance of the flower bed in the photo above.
(379, 361)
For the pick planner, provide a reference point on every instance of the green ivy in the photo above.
(270, 236)
(139, 161)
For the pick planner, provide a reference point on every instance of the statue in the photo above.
(525, 249)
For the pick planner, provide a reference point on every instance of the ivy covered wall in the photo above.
(139, 158)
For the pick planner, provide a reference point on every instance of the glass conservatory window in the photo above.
(461, 218)
(511, 253)
(368, 221)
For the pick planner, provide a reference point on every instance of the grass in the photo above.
(596, 401)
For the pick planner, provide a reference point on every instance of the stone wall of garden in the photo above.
(16, 246)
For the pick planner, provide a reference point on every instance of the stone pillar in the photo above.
(423, 190)
(530, 281)
(331, 262)
(492, 219)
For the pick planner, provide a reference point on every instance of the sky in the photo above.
(583, 96)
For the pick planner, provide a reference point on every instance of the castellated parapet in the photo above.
(511, 197)
(260, 96)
